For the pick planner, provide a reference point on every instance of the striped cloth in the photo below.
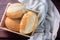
(48, 19)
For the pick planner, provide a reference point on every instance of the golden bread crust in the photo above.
(12, 24)
(15, 10)
(27, 18)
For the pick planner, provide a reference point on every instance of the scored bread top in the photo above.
(28, 22)
(15, 6)
(15, 10)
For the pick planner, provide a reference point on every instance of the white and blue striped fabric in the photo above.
(49, 19)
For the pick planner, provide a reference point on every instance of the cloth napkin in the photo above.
(49, 19)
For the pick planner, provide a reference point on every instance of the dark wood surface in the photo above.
(5, 34)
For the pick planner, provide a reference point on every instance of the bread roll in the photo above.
(12, 24)
(15, 10)
(28, 22)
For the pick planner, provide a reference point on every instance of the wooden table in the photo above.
(5, 34)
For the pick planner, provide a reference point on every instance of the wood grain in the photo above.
(6, 34)
(3, 4)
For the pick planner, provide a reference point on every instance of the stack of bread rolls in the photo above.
(19, 19)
